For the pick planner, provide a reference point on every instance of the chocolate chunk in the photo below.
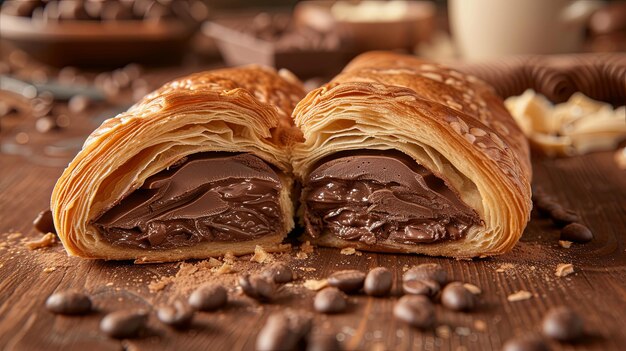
(417, 311)
(179, 315)
(525, 344)
(323, 342)
(561, 323)
(426, 287)
(44, 222)
(279, 272)
(561, 216)
(208, 297)
(378, 282)
(124, 324)
(69, 302)
(285, 330)
(427, 271)
(330, 300)
(349, 281)
(455, 297)
(258, 287)
(576, 232)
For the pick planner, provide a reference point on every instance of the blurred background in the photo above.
(66, 65)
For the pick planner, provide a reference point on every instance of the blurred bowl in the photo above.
(94, 43)
(370, 31)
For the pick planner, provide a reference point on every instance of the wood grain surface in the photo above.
(592, 185)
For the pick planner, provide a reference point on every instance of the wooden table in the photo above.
(591, 185)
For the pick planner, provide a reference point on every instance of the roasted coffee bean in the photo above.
(348, 280)
(525, 344)
(179, 315)
(208, 297)
(330, 300)
(561, 216)
(378, 282)
(258, 287)
(421, 287)
(427, 271)
(561, 323)
(285, 330)
(455, 297)
(44, 223)
(323, 342)
(69, 302)
(124, 324)
(417, 311)
(279, 272)
(576, 232)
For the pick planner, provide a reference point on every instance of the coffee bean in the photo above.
(323, 342)
(284, 331)
(427, 271)
(208, 297)
(279, 272)
(421, 287)
(44, 222)
(348, 280)
(417, 311)
(69, 302)
(561, 323)
(576, 232)
(179, 315)
(258, 287)
(455, 297)
(330, 300)
(525, 344)
(124, 324)
(561, 216)
(378, 282)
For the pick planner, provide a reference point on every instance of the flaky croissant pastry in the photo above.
(404, 155)
(196, 169)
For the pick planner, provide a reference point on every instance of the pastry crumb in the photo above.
(214, 262)
(472, 288)
(519, 296)
(226, 268)
(261, 256)
(315, 285)
(564, 269)
(308, 269)
(307, 247)
(15, 235)
(49, 269)
(348, 251)
(44, 241)
(302, 255)
(565, 244)
(505, 267)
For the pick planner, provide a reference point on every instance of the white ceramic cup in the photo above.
(492, 28)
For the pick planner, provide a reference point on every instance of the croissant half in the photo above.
(196, 169)
(403, 155)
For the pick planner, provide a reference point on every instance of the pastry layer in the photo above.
(382, 196)
(206, 197)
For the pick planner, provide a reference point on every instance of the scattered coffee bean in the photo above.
(525, 344)
(330, 300)
(427, 271)
(417, 311)
(421, 287)
(285, 330)
(561, 216)
(69, 302)
(44, 223)
(179, 315)
(279, 272)
(576, 232)
(323, 342)
(79, 103)
(124, 324)
(561, 323)
(348, 280)
(455, 297)
(208, 297)
(378, 282)
(258, 287)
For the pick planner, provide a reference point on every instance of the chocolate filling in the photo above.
(382, 196)
(205, 197)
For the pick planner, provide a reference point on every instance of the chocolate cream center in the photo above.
(383, 196)
(204, 197)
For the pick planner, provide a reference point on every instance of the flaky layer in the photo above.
(448, 122)
(234, 110)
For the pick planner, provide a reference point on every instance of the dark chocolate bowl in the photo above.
(95, 43)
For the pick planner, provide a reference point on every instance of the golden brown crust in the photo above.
(238, 110)
(447, 121)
